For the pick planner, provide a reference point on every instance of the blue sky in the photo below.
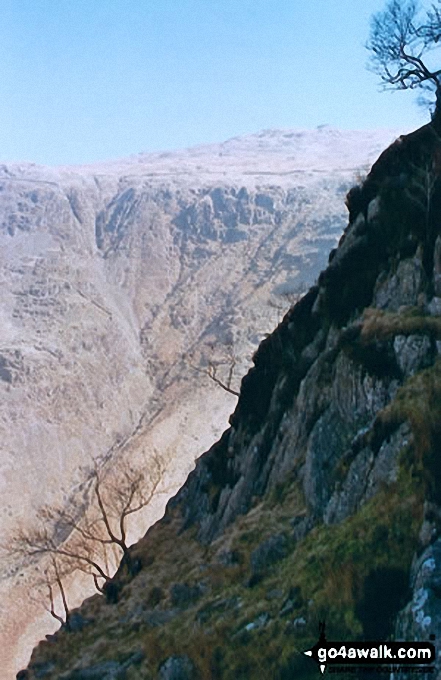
(87, 80)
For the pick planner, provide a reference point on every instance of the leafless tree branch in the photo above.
(221, 372)
(399, 41)
(87, 539)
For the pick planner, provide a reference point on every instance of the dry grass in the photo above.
(418, 401)
(380, 325)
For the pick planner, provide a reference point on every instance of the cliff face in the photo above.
(322, 501)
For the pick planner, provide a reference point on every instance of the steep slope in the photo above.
(322, 499)
(118, 278)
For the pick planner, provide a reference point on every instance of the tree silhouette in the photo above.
(401, 39)
(89, 539)
(220, 370)
(46, 586)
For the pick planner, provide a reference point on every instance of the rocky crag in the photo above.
(117, 280)
(322, 501)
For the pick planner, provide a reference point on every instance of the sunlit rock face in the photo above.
(120, 281)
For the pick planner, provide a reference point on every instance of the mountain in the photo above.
(121, 283)
(321, 502)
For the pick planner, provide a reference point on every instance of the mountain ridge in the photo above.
(303, 144)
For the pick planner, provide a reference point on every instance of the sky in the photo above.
(90, 80)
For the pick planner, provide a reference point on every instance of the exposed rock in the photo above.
(421, 617)
(385, 469)
(228, 557)
(413, 352)
(274, 594)
(182, 595)
(77, 622)
(150, 617)
(366, 474)
(259, 622)
(218, 608)
(177, 668)
(437, 267)
(106, 670)
(401, 288)
(373, 209)
(270, 551)
(301, 526)
(158, 618)
(155, 596)
(434, 306)
(292, 602)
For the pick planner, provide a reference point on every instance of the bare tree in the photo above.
(89, 539)
(48, 584)
(400, 39)
(221, 370)
(431, 29)
(227, 381)
(79, 551)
